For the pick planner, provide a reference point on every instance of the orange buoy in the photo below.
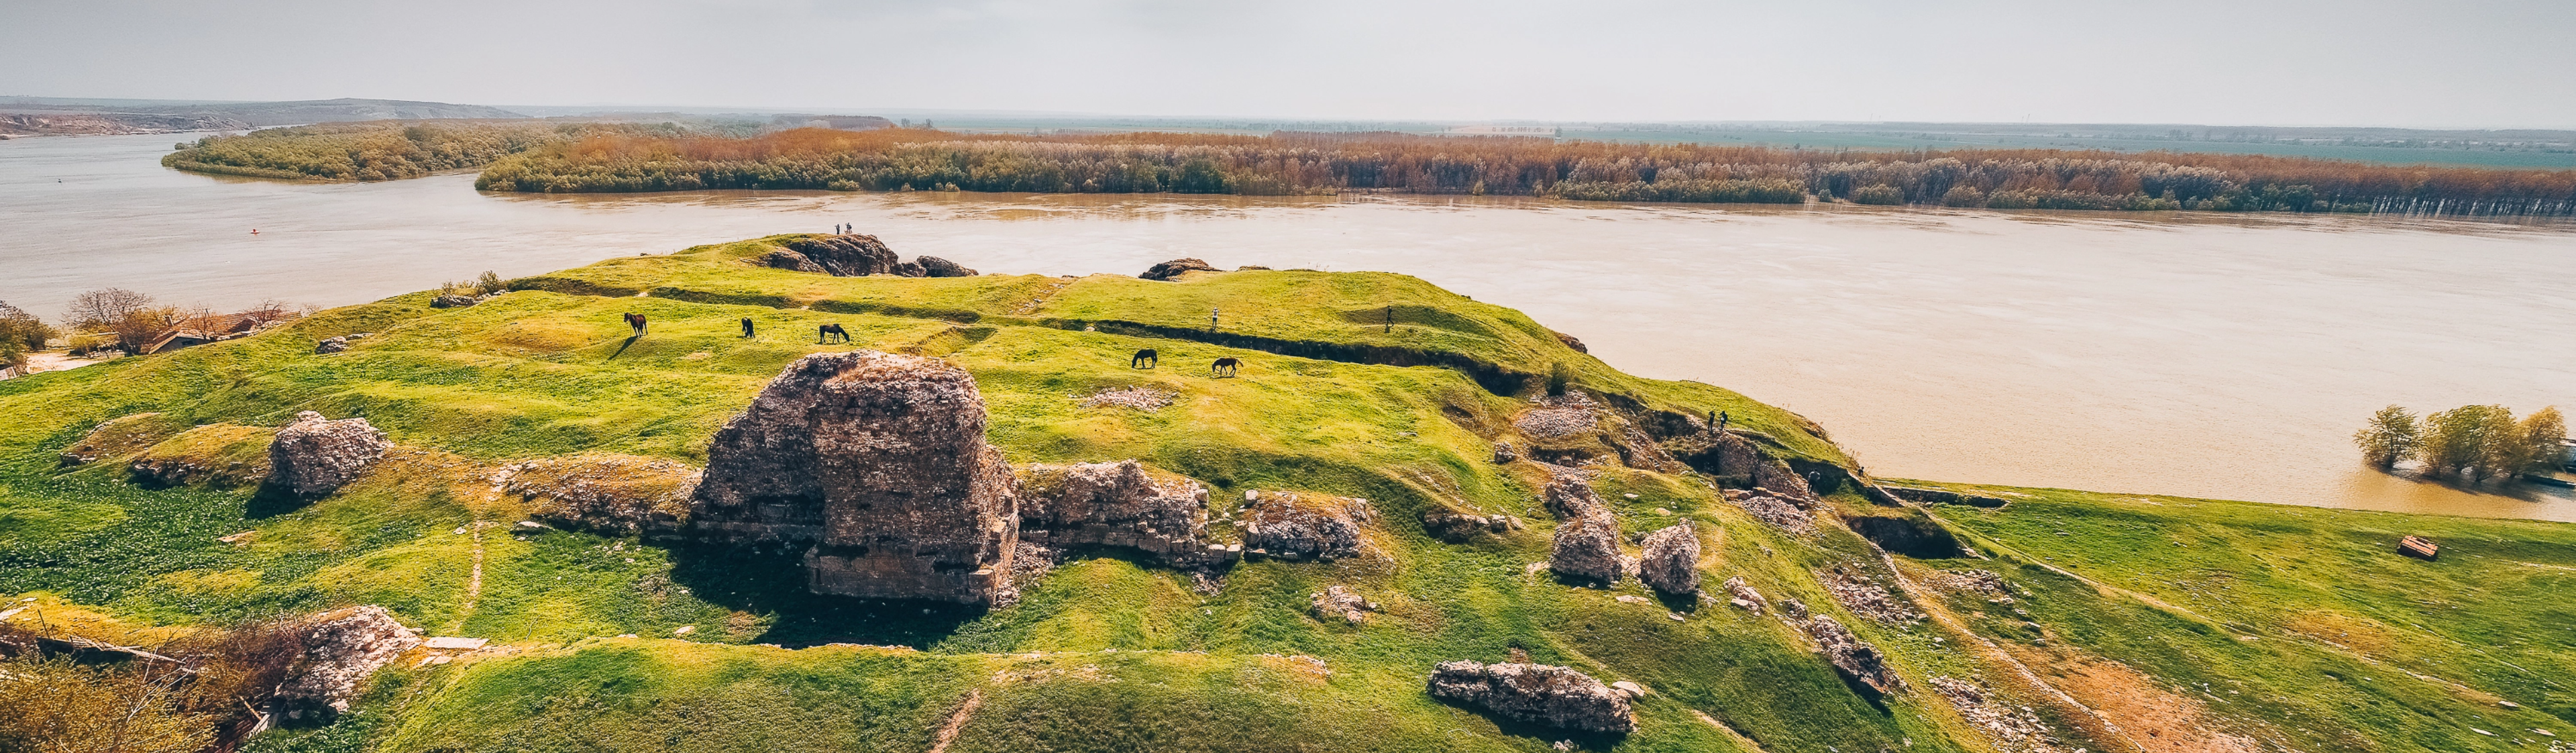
(254, 231)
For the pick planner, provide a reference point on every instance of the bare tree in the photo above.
(106, 307)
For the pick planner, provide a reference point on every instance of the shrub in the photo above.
(1557, 377)
(2391, 436)
(1879, 195)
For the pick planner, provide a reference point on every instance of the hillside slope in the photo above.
(1358, 385)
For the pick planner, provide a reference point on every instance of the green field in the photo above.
(2131, 605)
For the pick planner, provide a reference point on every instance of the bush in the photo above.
(2391, 436)
(1557, 377)
(1879, 195)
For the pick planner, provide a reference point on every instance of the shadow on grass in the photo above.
(1516, 728)
(771, 580)
(621, 348)
(270, 500)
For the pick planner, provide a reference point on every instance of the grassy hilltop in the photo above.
(2121, 623)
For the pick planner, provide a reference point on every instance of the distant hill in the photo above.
(32, 116)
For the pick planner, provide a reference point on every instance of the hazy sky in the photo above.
(2465, 63)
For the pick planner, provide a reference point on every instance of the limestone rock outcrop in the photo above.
(338, 344)
(932, 266)
(1670, 564)
(1117, 504)
(1291, 527)
(791, 261)
(878, 462)
(1854, 658)
(1457, 526)
(312, 457)
(1734, 460)
(850, 255)
(342, 648)
(1174, 268)
(1558, 697)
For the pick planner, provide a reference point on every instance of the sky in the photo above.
(2453, 64)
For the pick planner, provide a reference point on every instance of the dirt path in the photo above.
(1038, 302)
(474, 583)
(957, 721)
(1995, 658)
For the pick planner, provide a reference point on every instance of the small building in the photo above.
(202, 329)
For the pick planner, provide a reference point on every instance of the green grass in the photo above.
(1105, 653)
(2305, 619)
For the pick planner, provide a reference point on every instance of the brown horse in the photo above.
(637, 321)
(1224, 367)
(824, 333)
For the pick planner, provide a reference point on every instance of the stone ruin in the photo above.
(1119, 505)
(342, 648)
(1340, 603)
(311, 457)
(878, 463)
(1557, 697)
(855, 255)
(1586, 546)
(1292, 527)
(1670, 564)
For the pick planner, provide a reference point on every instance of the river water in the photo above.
(2211, 356)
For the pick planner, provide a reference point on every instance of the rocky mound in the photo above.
(1340, 603)
(312, 457)
(844, 255)
(791, 261)
(225, 455)
(1291, 527)
(120, 436)
(341, 648)
(1535, 693)
(1737, 463)
(879, 461)
(1117, 504)
(1174, 268)
(932, 266)
(613, 494)
(1670, 564)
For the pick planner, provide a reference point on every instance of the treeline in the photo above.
(2473, 443)
(1319, 163)
(383, 150)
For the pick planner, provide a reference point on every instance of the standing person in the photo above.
(746, 326)
(1722, 418)
(1212, 317)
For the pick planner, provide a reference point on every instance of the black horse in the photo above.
(1224, 367)
(1145, 359)
(824, 333)
(746, 326)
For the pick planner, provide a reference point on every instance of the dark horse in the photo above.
(1145, 359)
(1224, 366)
(824, 333)
(637, 321)
(746, 326)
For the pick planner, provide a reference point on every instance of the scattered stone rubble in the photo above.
(1503, 453)
(1139, 398)
(878, 461)
(1744, 597)
(1339, 603)
(2014, 729)
(1557, 697)
(1121, 505)
(1773, 510)
(1866, 598)
(1556, 422)
(312, 457)
(1290, 526)
(1172, 269)
(1670, 564)
(613, 494)
(338, 344)
(1456, 526)
(342, 647)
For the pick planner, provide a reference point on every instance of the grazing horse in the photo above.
(746, 326)
(1224, 366)
(637, 321)
(1145, 359)
(824, 333)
